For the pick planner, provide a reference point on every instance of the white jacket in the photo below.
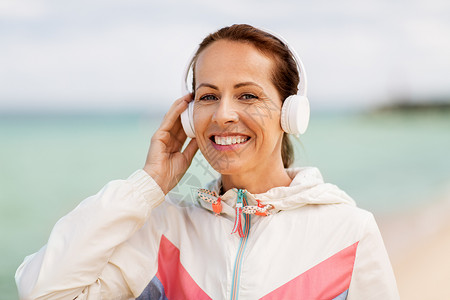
(127, 242)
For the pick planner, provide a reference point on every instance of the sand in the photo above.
(418, 243)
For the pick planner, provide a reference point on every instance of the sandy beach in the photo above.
(418, 243)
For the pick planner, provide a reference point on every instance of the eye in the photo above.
(208, 97)
(248, 97)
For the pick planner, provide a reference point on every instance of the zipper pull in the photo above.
(238, 216)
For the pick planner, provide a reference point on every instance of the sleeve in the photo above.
(95, 252)
(373, 277)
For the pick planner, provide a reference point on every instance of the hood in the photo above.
(307, 188)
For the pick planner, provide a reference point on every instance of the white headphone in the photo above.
(294, 113)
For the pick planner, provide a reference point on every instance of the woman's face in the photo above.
(237, 108)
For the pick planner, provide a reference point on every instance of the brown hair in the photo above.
(285, 75)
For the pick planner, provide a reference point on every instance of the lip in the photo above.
(232, 147)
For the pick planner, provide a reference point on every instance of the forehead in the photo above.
(232, 57)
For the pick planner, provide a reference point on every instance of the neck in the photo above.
(257, 181)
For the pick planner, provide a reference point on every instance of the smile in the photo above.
(229, 139)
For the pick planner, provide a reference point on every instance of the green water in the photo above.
(48, 164)
(386, 162)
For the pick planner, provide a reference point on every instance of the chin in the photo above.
(226, 167)
(229, 170)
(227, 162)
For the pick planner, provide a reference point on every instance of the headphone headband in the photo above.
(302, 84)
(294, 112)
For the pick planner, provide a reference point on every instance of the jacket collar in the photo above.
(307, 187)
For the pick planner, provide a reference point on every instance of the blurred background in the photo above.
(84, 84)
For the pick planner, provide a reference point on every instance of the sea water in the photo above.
(49, 163)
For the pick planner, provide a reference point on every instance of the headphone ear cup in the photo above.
(295, 114)
(187, 120)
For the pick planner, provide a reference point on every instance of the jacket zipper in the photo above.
(240, 254)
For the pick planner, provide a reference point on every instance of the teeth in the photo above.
(229, 140)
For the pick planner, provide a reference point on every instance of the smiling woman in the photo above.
(293, 236)
(233, 86)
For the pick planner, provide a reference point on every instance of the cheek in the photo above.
(264, 116)
(202, 118)
(264, 120)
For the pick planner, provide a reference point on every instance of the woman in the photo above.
(292, 235)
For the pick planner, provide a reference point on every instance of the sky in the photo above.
(123, 55)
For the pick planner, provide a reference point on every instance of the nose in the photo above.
(225, 113)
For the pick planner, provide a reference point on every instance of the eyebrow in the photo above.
(236, 86)
(247, 83)
(207, 85)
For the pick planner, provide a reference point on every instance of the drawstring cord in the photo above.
(259, 210)
(240, 209)
(211, 197)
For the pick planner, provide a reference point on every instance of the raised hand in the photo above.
(165, 161)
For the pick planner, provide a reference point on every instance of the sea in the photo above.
(388, 162)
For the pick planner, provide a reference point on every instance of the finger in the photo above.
(177, 140)
(175, 111)
(180, 136)
(190, 150)
(178, 130)
(176, 127)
